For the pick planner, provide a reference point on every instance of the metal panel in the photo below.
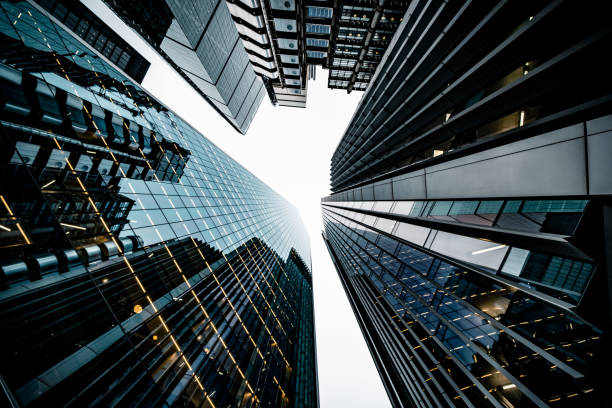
(383, 191)
(559, 135)
(282, 4)
(555, 169)
(409, 186)
(287, 44)
(284, 25)
(600, 162)
(599, 125)
(28, 152)
(367, 193)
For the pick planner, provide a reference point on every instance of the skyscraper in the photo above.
(470, 215)
(139, 264)
(200, 40)
(284, 40)
(276, 37)
(361, 33)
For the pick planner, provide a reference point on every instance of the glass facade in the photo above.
(559, 274)
(139, 264)
(350, 68)
(470, 214)
(445, 309)
(97, 34)
(200, 40)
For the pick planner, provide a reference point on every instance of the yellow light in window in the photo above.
(137, 309)
(154, 337)
(73, 226)
(47, 185)
(438, 153)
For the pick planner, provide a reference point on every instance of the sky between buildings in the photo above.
(290, 150)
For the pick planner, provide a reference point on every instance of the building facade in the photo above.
(139, 264)
(286, 40)
(361, 32)
(201, 42)
(276, 37)
(470, 215)
(80, 20)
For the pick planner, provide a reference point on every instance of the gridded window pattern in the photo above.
(355, 13)
(340, 73)
(318, 28)
(321, 12)
(316, 42)
(549, 216)
(560, 276)
(368, 65)
(382, 35)
(338, 84)
(390, 15)
(375, 51)
(489, 340)
(348, 49)
(364, 76)
(195, 291)
(80, 19)
(343, 62)
(316, 54)
(352, 33)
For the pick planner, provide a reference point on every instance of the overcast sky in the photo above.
(290, 150)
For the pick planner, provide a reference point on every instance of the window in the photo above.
(343, 62)
(323, 12)
(317, 28)
(316, 54)
(315, 42)
(341, 74)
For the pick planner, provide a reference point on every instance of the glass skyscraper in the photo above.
(470, 219)
(201, 42)
(139, 264)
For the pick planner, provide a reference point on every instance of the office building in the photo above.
(85, 24)
(286, 40)
(361, 33)
(282, 39)
(201, 42)
(470, 215)
(139, 264)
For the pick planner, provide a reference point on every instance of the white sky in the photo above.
(290, 150)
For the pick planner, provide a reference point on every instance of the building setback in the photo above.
(139, 264)
(201, 42)
(470, 219)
